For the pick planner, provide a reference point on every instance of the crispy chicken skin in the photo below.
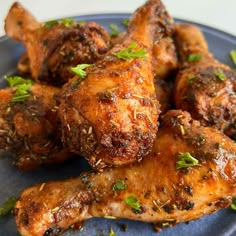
(163, 94)
(165, 62)
(205, 87)
(111, 116)
(167, 195)
(29, 128)
(54, 47)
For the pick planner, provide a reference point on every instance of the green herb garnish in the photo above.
(131, 52)
(8, 206)
(191, 78)
(194, 57)
(220, 75)
(79, 70)
(132, 202)
(111, 233)
(49, 24)
(82, 22)
(233, 204)
(67, 22)
(119, 185)
(21, 87)
(186, 160)
(233, 56)
(114, 30)
(125, 22)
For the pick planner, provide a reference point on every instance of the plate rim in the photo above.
(126, 14)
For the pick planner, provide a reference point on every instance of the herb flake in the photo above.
(191, 78)
(132, 202)
(114, 31)
(49, 24)
(8, 206)
(125, 22)
(119, 185)
(233, 204)
(67, 22)
(233, 56)
(80, 70)
(220, 75)
(186, 160)
(20, 86)
(194, 57)
(131, 52)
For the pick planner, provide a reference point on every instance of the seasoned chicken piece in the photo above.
(23, 66)
(111, 117)
(29, 128)
(165, 60)
(55, 46)
(153, 190)
(204, 87)
(163, 94)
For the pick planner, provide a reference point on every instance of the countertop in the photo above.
(216, 13)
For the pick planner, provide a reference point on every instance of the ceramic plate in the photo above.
(12, 181)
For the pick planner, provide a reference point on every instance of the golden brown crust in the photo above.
(166, 195)
(111, 116)
(29, 128)
(54, 48)
(205, 87)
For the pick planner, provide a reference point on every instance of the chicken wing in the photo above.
(29, 128)
(153, 190)
(111, 117)
(53, 47)
(204, 87)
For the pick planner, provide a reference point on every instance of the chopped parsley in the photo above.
(8, 206)
(114, 31)
(233, 56)
(119, 185)
(233, 204)
(82, 22)
(20, 86)
(191, 78)
(125, 22)
(132, 202)
(186, 160)
(220, 75)
(131, 52)
(79, 70)
(194, 57)
(66, 22)
(49, 24)
(111, 233)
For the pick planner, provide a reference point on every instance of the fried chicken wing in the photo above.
(55, 46)
(160, 193)
(29, 128)
(111, 116)
(204, 87)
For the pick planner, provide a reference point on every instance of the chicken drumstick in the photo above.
(154, 190)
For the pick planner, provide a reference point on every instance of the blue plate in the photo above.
(13, 182)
